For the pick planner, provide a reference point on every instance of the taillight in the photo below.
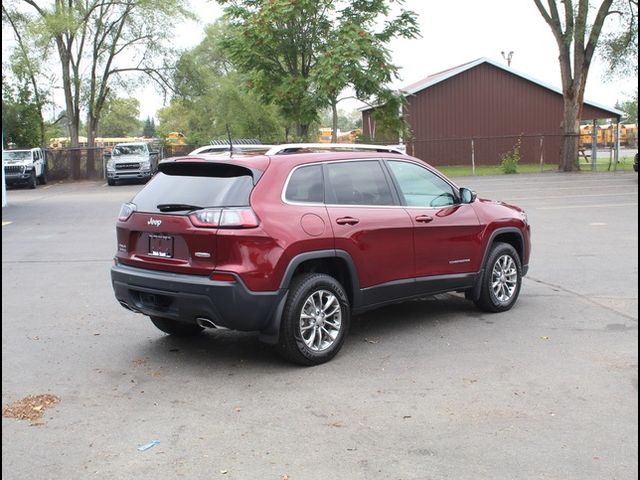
(225, 218)
(125, 211)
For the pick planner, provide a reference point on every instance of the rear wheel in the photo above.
(174, 327)
(502, 279)
(315, 321)
(42, 180)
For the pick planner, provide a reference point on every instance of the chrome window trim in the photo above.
(289, 202)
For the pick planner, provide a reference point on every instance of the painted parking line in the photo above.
(48, 186)
(631, 194)
(6, 223)
(603, 205)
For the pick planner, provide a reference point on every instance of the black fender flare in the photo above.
(475, 292)
(271, 334)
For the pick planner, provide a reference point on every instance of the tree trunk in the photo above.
(92, 129)
(571, 131)
(303, 131)
(334, 121)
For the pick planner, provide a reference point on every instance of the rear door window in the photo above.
(358, 183)
(197, 185)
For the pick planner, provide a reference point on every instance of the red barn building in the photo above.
(491, 104)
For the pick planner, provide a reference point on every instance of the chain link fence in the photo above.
(534, 153)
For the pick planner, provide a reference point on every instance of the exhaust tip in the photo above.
(205, 323)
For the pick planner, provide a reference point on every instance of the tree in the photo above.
(214, 96)
(99, 43)
(620, 47)
(574, 27)
(120, 118)
(356, 55)
(20, 116)
(301, 54)
(630, 108)
(149, 129)
(27, 64)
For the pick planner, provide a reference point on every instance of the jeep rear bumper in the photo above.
(190, 297)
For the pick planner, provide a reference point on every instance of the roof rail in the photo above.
(286, 148)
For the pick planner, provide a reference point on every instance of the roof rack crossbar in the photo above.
(286, 148)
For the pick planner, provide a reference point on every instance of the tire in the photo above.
(33, 180)
(314, 337)
(176, 328)
(502, 279)
(111, 182)
(42, 180)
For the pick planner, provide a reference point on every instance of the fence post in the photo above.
(541, 153)
(473, 158)
(594, 146)
(617, 144)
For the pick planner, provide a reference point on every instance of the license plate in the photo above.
(160, 245)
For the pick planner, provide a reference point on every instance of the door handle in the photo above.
(347, 221)
(424, 218)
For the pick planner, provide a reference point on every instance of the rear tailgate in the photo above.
(160, 235)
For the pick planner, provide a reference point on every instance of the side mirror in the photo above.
(467, 196)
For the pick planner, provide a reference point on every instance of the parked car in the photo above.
(25, 167)
(635, 162)
(131, 161)
(293, 244)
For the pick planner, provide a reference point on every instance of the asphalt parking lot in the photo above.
(430, 389)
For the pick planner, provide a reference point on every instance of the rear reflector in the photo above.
(223, 277)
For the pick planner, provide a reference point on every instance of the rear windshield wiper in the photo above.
(177, 207)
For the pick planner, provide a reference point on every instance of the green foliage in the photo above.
(301, 54)
(20, 117)
(630, 108)
(346, 120)
(120, 118)
(103, 47)
(149, 129)
(509, 160)
(213, 96)
(620, 46)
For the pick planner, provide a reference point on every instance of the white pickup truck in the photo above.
(131, 161)
(25, 167)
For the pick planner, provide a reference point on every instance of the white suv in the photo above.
(25, 167)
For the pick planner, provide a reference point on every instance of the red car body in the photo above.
(239, 277)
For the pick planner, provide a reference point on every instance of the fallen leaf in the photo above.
(224, 472)
(31, 407)
(369, 340)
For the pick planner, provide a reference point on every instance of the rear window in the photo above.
(198, 185)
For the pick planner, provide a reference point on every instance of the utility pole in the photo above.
(508, 57)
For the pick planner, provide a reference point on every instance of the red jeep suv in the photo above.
(294, 242)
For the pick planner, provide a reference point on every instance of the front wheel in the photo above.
(33, 180)
(315, 321)
(502, 279)
(176, 328)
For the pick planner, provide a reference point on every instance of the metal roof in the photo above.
(436, 78)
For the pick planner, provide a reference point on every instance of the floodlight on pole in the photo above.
(507, 57)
